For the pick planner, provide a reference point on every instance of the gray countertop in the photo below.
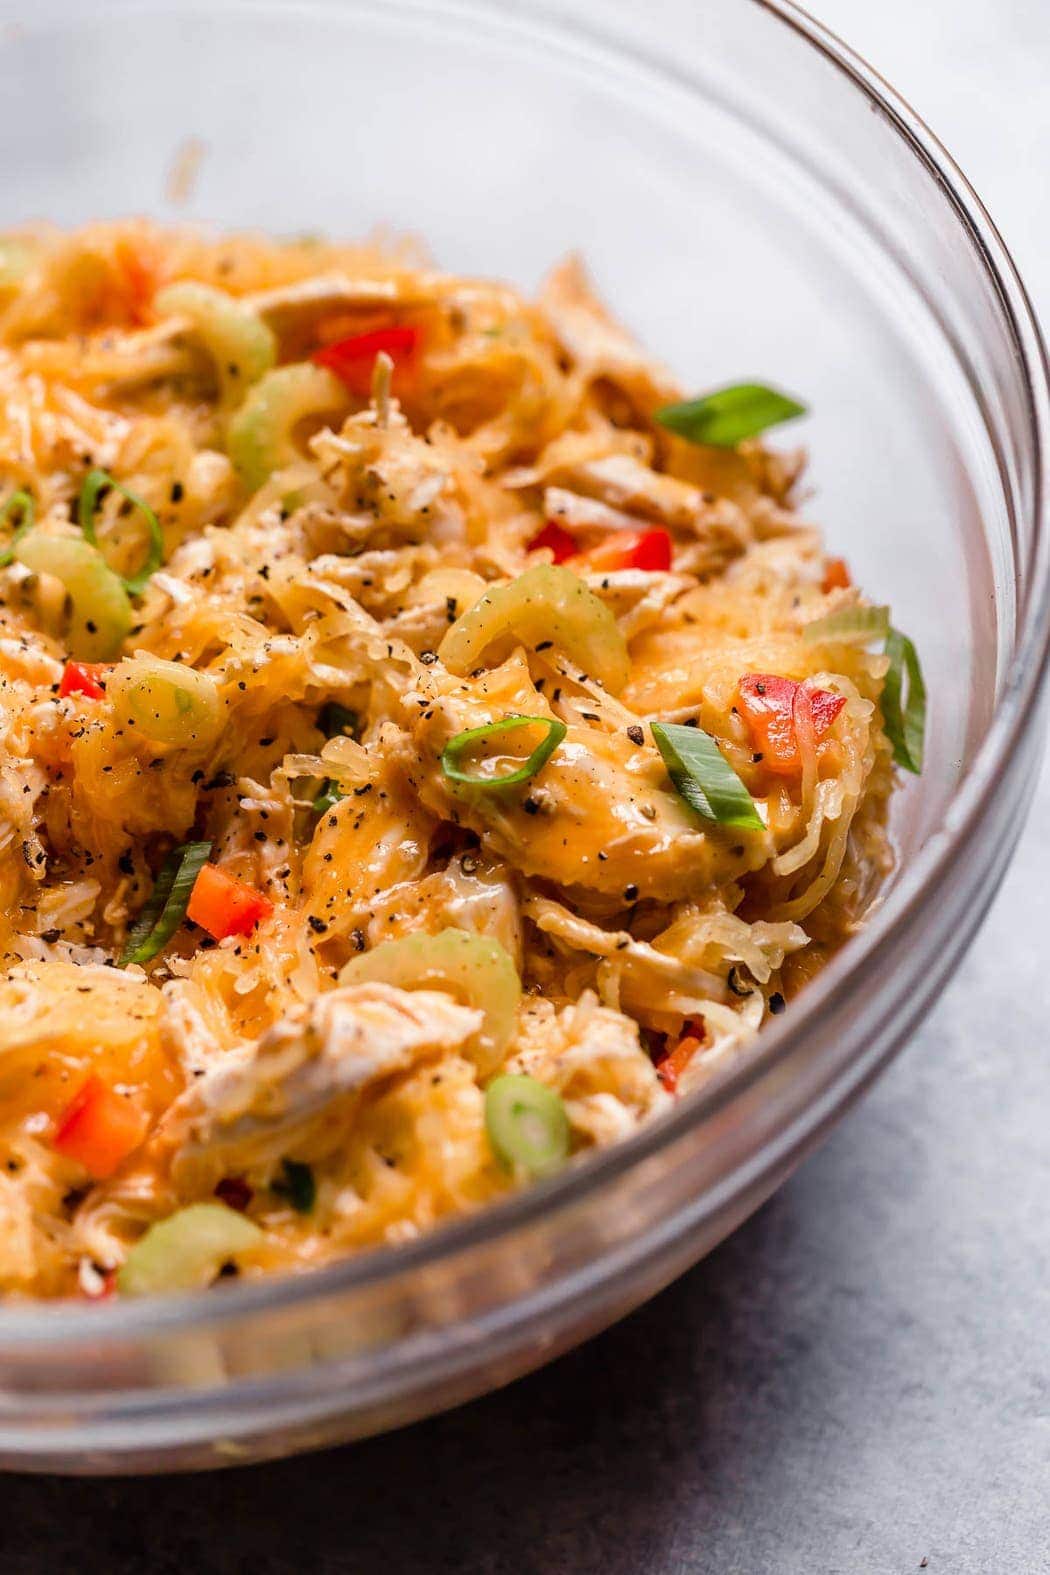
(858, 1380)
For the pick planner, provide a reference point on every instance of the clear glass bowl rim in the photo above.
(36, 1327)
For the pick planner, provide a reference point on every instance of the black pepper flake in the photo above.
(630, 893)
(635, 734)
(736, 982)
(531, 806)
(176, 492)
(428, 658)
(777, 1003)
(357, 940)
(316, 924)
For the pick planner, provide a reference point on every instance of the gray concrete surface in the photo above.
(858, 1380)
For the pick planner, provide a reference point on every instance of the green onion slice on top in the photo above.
(704, 777)
(727, 416)
(166, 908)
(23, 502)
(296, 1185)
(849, 626)
(454, 751)
(904, 715)
(527, 1124)
(97, 482)
(328, 797)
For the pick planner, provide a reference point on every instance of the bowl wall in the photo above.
(753, 205)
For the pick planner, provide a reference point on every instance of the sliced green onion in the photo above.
(238, 341)
(904, 718)
(456, 748)
(101, 613)
(170, 702)
(99, 481)
(23, 502)
(727, 416)
(297, 1185)
(527, 1124)
(329, 796)
(186, 1251)
(704, 777)
(338, 721)
(475, 969)
(849, 626)
(261, 438)
(166, 908)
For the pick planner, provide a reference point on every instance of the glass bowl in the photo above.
(754, 201)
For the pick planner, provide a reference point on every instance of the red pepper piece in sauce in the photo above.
(768, 705)
(84, 678)
(353, 359)
(560, 544)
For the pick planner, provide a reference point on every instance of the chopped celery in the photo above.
(474, 968)
(261, 438)
(101, 612)
(549, 605)
(186, 1251)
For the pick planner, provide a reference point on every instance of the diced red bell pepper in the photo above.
(560, 543)
(84, 678)
(140, 273)
(352, 360)
(768, 705)
(632, 549)
(99, 1128)
(225, 906)
(836, 575)
(675, 1060)
(235, 1192)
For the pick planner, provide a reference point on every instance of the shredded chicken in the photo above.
(341, 603)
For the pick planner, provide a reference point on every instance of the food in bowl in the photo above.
(431, 745)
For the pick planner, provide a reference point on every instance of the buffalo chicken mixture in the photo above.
(430, 745)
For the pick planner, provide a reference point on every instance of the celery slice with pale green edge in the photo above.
(728, 416)
(704, 777)
(474, 968)
(16, 259)
(169, 702)
(101, 612)
(186, 1251)
(527, 1124)
(848, 626)
(241, 345)
(547, 605)
(261, 437)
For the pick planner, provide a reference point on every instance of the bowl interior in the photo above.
(751, 211)
(503, 145)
